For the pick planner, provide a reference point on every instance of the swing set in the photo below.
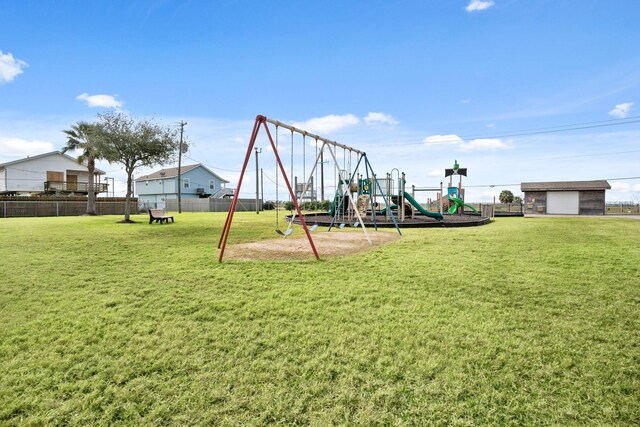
(345, 203)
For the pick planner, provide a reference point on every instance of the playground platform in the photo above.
(419, 221)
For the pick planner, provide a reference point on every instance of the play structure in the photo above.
(389, 203)
(347, 205)
(395, 190)
(456, 194)
(358, 198)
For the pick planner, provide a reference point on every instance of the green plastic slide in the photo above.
(458, 203)
(383, 211)
(423, 211)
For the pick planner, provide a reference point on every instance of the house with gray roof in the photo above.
(197, 181)
(565, 197)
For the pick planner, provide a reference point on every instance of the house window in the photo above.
(186, 183)
(212, 185)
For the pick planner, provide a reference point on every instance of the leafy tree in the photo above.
(506, 196)
(517, 199)
(86, 137)
(134, 143)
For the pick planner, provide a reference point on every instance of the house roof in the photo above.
(173, 173)
(565, 185)
(29, 158)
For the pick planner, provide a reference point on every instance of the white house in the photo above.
(197, 180)
(53, 172)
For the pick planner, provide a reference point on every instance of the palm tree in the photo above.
(85, 136)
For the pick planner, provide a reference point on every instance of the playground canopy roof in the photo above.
(565, 186)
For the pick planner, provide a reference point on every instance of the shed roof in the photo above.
(173, 173)
(565, 185)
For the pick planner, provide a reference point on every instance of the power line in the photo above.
(587, 155)
(622, 179)
(211, 167)
(533, 131)
(558, 128)
(514, 185)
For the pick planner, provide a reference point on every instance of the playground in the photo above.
(360, 198)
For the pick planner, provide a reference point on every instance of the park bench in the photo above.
(158, 215)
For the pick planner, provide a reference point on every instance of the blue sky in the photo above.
(515, 90)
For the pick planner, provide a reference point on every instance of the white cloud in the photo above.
(436, 172)
(10, 67)
(620, 186)
(373, 119)
(476, 5)
(465, 101)
(443, 139)
(621, 111)
(105, 101)
(328, 124)
(484, 144)
(18, 147)
(624, 187)
(491, 125)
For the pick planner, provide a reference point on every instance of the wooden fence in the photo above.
(36, 207)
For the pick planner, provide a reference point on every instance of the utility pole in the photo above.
(258, 151)
(322, 175)
(182, 124)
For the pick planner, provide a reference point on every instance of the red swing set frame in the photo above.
(261, 121)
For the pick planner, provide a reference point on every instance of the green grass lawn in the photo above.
(532, 321)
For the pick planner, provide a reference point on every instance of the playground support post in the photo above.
(261, 120)
(258, 151)
(354, 206)
(384, 196)
(225, 230)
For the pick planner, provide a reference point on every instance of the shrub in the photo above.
(268, 205)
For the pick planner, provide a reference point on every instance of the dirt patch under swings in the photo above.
(334, 243)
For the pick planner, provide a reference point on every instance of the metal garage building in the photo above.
(566, 197)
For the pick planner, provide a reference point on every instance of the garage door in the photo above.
(563, 202)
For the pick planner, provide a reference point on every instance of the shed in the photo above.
(565, 197)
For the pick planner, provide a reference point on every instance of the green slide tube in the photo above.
(458, 202)
(423, 211)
